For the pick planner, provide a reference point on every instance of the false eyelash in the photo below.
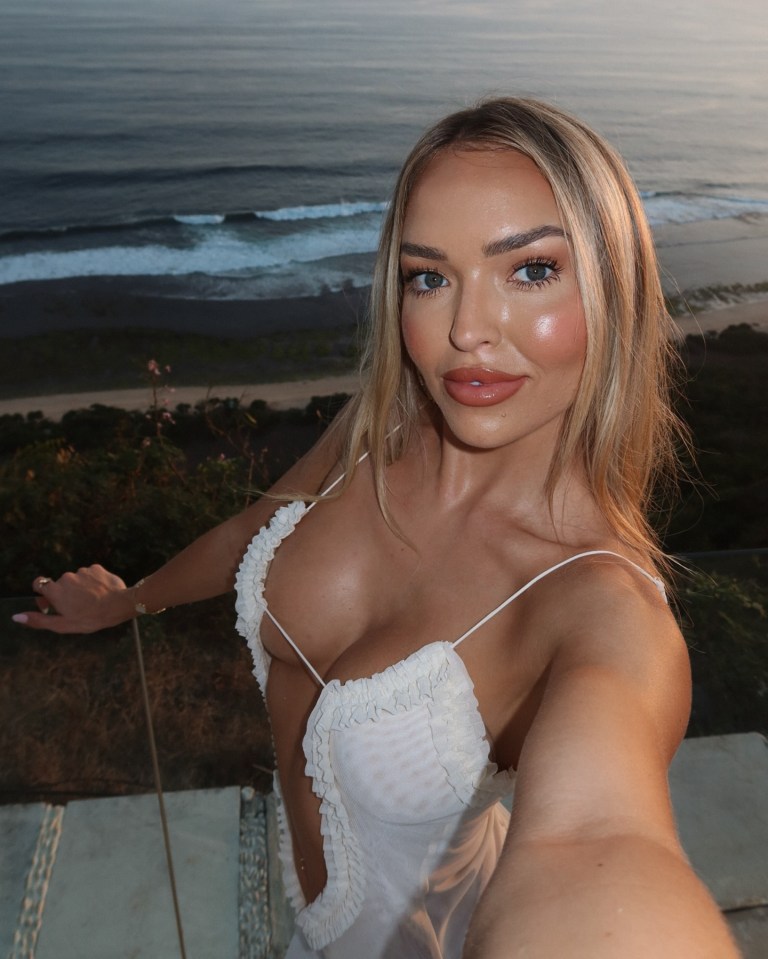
(538, 261)
(410, 276)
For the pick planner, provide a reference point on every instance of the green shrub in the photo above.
(725, 621)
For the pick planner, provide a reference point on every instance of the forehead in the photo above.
(489, 191)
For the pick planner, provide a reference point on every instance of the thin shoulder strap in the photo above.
(296, 649)
(657, 582)
(288, 639)
(335, 483)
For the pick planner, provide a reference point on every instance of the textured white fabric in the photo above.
(411, 823)
(410, 815)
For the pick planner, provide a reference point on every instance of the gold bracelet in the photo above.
(140, 608)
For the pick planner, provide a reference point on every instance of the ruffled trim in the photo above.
(462, 747)
(285, 852)
(434, 675)
(249, 582)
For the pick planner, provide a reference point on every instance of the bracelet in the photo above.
(140, 608)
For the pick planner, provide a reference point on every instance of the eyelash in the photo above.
(550, 264)
(411, 275)
(537, 284)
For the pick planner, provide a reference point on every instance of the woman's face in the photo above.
(491, 315)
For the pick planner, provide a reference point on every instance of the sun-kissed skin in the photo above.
(583, 683)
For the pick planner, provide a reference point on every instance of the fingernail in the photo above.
(19, 618)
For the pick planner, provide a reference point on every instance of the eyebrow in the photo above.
(426, 252)
(516, 241)
(507, 244)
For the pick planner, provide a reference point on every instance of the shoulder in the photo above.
(613, 711)
(606, 624)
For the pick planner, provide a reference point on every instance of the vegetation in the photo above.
(726, 405)
(73, 722)
(725, 621)
(75, 360)
(129, 489)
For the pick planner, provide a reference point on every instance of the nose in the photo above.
(477, 318)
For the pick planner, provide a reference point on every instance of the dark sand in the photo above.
(27, 309)
(694, 257)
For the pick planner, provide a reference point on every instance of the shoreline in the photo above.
(719, 268)
(694, 258)
(710, 253)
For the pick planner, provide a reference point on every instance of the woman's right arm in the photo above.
(93, 598)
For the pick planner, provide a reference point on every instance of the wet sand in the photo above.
(694, 257)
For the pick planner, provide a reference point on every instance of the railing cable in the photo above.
(158, 787)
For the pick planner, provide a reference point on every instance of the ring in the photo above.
(42, 581)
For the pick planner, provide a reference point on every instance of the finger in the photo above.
(54, 624)
(50, 592)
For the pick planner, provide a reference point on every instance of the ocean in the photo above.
(246, 148)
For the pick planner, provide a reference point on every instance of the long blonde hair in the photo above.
(620, 424)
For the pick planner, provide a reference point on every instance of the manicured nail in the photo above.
(19, 618)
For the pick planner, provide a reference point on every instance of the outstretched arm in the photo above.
(592, 868)
(93, 598)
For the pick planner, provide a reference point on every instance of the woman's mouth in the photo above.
(478, 386)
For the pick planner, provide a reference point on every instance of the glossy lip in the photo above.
(480, 386)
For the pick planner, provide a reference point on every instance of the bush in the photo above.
(113, 487)
(725, 622)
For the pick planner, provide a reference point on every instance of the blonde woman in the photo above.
(457, 591)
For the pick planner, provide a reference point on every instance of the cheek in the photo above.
(560, 337)
(415, 339)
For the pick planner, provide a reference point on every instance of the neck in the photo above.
(513, 476)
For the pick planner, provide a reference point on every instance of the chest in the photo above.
(356, 600)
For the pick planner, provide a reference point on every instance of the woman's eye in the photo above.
(427, 280)
(534, 273)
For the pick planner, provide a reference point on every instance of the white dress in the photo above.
(410, 810)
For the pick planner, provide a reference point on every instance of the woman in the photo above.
(475, 588)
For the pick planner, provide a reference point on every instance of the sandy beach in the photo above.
(280, 396)
(706, 262)
(707, 253)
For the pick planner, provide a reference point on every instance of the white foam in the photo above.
(661, 208)
(322, 211)
(218, 253)
(223, 249)
(199, 219)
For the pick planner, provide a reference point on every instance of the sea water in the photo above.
(247, 148)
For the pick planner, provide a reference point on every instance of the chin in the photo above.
(480, 436)
(493, 428)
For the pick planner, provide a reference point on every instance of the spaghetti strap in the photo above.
(288, 639)
(296, 649)
(335, 483)
(657, 582)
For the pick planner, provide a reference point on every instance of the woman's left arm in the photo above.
(592, 867)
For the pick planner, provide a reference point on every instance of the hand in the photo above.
(83, 602)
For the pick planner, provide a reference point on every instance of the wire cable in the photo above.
(158, 787)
